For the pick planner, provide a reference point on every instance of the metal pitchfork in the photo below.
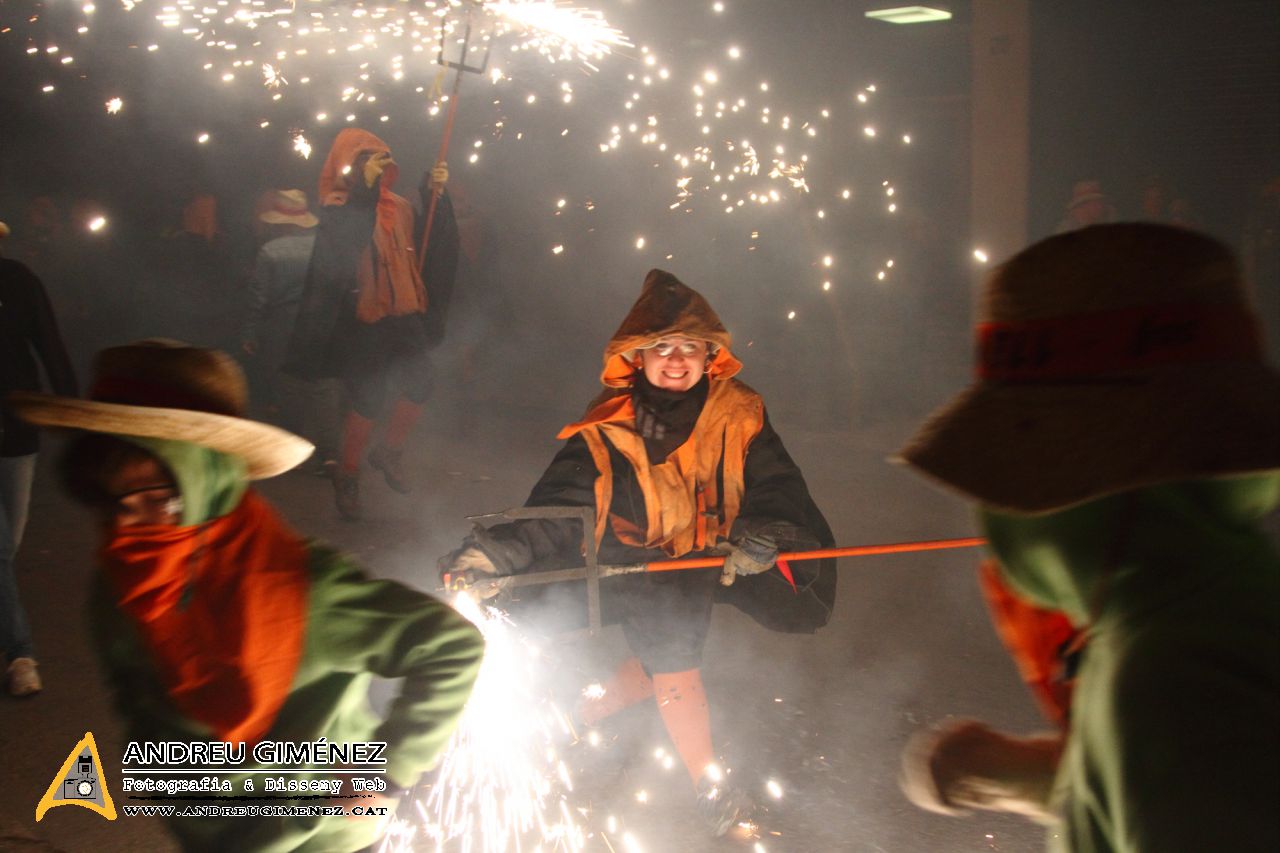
(461, 67)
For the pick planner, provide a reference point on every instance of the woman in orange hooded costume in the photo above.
(678, 459)
(368, 316)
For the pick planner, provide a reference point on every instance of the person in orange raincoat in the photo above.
(678, 459)
(368, 315)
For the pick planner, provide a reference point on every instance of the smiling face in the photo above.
(675, 363)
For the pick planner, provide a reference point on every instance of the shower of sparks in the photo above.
(712, 131)
(561, 31)
(271, 76)
(115, 105)
(501, 785)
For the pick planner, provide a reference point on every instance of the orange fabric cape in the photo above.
(390, 285)
(221, 606)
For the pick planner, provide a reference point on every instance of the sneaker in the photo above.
(721, 805)
(387, 461)
(24, 680)
(346, 495)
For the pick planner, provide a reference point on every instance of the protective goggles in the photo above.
(688, 349)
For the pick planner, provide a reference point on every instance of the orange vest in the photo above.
(681, 494)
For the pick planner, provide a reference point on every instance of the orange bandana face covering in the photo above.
(221, 607)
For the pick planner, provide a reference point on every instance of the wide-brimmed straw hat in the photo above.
(166, 389)
(1110, 358)
(288, 207)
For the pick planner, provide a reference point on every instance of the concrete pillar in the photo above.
(1001, 45)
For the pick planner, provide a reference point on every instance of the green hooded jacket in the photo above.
(358, 628)
(1173, 742)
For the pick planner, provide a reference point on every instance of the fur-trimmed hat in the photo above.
(1110, 358)
(167, 389)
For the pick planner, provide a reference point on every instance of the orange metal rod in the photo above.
(851, 551)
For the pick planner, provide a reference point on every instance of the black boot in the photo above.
(722, 805)
(387, 461)
(346, 495)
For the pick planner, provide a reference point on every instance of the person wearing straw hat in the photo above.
(214, 620)
(371, 309)
(1122, 443)
(677, 458)
(275, 291)
(29, 340)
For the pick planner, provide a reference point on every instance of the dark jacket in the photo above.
(777, 503)
(28, 331)
(322, 336)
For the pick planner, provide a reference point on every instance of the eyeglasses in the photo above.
(688, 349)
(149, 504)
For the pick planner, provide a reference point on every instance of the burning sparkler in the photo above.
(501, 784)
(723, 140)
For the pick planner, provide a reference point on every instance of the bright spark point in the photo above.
(735, 52)
(114, 105)
(791, 315)
(202, 138)
(981, 256)
(869, 131)
(47, 89)
(557, 249)
(97, 223)
(500, 784)
(826, 285)
(642, 796)
(717, 7)
(639, 242)
(827, 260)
(774, 789)
(906, 139)
(301, 145)
(892, 208)
(845, 193)
(880, 276)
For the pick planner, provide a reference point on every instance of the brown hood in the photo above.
(667, 306)
(350, 143)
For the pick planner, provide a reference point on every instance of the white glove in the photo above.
(966, 765)
(751, 555)
(471, 559)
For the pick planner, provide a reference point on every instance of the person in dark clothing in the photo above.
(307, 408)
(678, 459)
(371, 312)
(29, 339)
